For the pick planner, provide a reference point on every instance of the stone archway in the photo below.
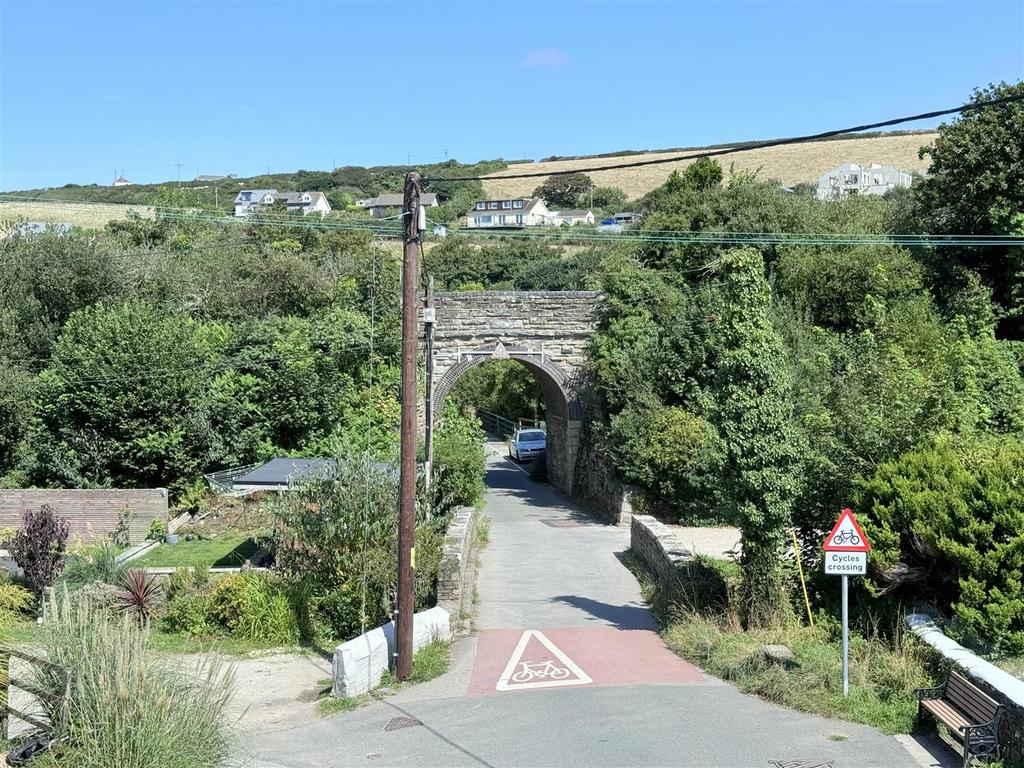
(561, 400)
(546, 331)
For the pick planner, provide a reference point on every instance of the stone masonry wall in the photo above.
(456, 578)
(557, 323)
(594, 481)
(656, 544)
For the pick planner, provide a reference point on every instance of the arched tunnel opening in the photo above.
(541, 395)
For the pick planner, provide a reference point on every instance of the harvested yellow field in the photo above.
(88, 215)
(790, 164)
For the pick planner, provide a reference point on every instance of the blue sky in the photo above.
(237, 87)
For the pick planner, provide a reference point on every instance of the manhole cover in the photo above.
(561, 523)
(397, 723)
(801, 763)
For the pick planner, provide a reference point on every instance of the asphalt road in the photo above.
(565, 668)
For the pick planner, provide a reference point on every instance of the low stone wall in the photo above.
(997, 683)
(656, 544)
(456, 577)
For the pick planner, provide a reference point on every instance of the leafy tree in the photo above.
(120, 403)
(458, 462)
(608, 199)
(762, 454)
(946, 523)
(38, 547)
(975, 186)
(504, 387)
(564, 191)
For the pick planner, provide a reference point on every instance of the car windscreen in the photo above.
(531, 437)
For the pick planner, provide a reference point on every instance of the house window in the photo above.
(501, 219)
(481, 206)
(481, 220)
(851, 178)
(519, 218)
(506, 203)
(493, 205)
(517, 203)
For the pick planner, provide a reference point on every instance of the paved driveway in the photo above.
(566, 668)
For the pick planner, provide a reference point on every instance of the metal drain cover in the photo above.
(562, 523)
(801, 763)
(397, 723)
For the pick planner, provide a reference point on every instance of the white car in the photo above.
(527, 444)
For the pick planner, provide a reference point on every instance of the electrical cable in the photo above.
(751, 145)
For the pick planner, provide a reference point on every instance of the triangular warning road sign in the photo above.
(847, 535)
(540, 664)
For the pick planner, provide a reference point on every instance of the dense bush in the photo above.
(38, 547)
(458, 461)
(337, 544)
(254, 606)
(946, 522)
(126, 707)
(93, 564)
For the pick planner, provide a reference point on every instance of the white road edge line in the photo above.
(500, 455)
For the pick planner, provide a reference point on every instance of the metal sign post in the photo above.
(846, 552)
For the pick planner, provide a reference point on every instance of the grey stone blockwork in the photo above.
(456, 577)
(659, 548)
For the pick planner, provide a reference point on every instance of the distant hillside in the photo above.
(791, 164)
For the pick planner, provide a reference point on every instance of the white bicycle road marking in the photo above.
(520, 674)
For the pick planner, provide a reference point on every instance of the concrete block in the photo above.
(427, 626)
(359, 663)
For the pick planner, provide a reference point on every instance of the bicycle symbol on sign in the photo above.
(844, 537)
(540, 670)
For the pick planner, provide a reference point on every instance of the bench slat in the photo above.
(946, 714)
(973, 702)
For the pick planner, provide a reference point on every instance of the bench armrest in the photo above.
(930, 693)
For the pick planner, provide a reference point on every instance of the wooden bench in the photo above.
(969, 713)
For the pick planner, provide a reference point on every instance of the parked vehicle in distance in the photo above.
(526, 444)
(609, 225)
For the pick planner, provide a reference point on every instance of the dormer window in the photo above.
(506, 203)
(517, 203)
(481, 206)
(493, 205)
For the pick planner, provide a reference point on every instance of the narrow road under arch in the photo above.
(566, 668)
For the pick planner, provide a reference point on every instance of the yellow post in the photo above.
(803, 583)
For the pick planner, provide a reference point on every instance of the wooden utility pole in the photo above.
(407, 463)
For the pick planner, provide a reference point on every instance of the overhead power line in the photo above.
(747, 146)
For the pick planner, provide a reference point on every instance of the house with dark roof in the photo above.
(512, 213)
(283, 473)
(390, 203)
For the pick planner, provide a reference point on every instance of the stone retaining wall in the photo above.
(456, 577)
(655, 543)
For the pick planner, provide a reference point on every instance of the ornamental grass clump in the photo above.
(127, 708)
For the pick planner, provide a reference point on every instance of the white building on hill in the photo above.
(511, 212)
(853, 179)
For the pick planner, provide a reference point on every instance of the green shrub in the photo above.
(127, 708)
(188, 579)
(253, 606)
(157, 529)
(946, 523)
(458, 462)
(14, 600)
(189, 612)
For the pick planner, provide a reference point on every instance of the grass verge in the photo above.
(226, 550)
(883, 672)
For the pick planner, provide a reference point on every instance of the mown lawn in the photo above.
(229, 549)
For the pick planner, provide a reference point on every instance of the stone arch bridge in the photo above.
(547, 331)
